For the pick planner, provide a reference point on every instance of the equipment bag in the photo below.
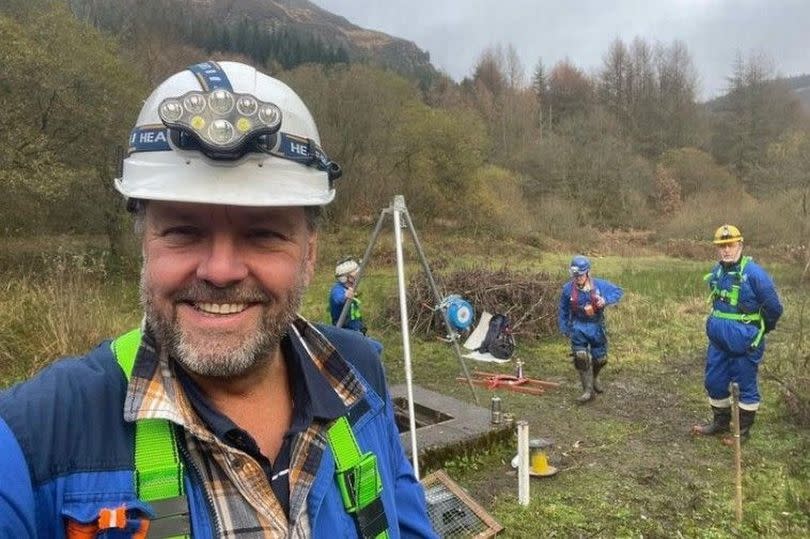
(499, 340)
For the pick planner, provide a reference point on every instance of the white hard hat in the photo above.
(345, 267)
(281, 166)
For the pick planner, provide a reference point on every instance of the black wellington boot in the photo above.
(586, 377)
(597, 367)
(746, 420)
(719, 424)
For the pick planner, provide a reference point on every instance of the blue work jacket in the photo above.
(67, 452)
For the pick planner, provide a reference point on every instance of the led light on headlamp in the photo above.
(222, 123)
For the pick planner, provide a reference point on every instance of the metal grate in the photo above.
(453, 512)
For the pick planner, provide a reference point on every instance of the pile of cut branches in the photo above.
(530, 300)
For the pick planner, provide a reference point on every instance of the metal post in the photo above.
(366, 256)
(399, 205)
(523, 462)
(437, 297)
(735, 429)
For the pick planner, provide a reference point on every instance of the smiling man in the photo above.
(745, 306)
(226, 414)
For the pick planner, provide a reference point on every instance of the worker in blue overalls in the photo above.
(581, 318)
(745, 306)
(343, 290)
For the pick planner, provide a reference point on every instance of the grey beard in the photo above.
(211, 360)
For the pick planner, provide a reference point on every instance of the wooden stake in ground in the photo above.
(735, 429)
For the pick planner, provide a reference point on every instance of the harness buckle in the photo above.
(360, 485)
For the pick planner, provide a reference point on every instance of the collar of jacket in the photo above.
(154, 392)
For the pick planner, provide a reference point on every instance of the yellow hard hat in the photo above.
(727, 234)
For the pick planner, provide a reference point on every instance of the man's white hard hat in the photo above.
(158, 169)
(346, 267)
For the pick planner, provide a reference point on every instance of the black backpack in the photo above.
(498, 341)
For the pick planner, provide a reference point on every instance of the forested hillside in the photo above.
(627, 147)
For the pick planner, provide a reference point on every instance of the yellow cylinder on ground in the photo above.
(538, 458)
(539, 461)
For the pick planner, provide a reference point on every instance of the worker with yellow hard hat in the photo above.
(745, 306)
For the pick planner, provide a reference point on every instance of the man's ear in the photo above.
(311, 258)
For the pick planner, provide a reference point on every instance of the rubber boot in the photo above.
(586, 377)
(597, 367)
(719, 424)
(746, 420)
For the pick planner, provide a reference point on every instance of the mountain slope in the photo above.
(303, 16)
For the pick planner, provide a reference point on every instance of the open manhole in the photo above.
(425, 416)
(445, 426)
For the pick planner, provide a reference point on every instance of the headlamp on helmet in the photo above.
(727, 234)
(262, 135)
(580, 265)
(222, 124)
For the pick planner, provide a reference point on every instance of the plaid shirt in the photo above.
(240, 495)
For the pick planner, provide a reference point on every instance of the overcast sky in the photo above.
(455, 32)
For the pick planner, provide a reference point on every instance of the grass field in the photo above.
(628, 467)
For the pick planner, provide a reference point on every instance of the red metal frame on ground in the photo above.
(494, 380)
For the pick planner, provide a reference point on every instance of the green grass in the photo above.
(628, 467)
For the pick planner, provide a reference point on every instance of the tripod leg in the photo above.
(366, 256)
(438, 299)
(406, 339)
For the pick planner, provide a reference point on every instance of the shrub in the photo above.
(496, 202)
(696, 172)
(529, 299)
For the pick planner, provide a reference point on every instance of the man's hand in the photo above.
(600, 302)
(350, 292)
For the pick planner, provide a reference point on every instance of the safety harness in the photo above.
(358, 479)
(159, 469)
(354, 310)
(732, 297)
(575, 297)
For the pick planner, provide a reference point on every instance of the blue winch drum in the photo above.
(459, 312)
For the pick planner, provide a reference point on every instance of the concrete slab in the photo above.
(460, 424)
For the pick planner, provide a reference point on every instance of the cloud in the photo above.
(456, 32)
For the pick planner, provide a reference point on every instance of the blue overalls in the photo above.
(585, 330)
(745, 306)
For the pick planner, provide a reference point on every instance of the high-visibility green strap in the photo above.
(358, 479)
(343, 444)
(159, 468)
(729, 296)
(745, 318)
(125, 349)
(354, 310)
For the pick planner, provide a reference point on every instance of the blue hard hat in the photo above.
(580, 265)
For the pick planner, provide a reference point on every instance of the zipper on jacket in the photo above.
(196, 474)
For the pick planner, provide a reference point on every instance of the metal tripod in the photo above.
(400, 212)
